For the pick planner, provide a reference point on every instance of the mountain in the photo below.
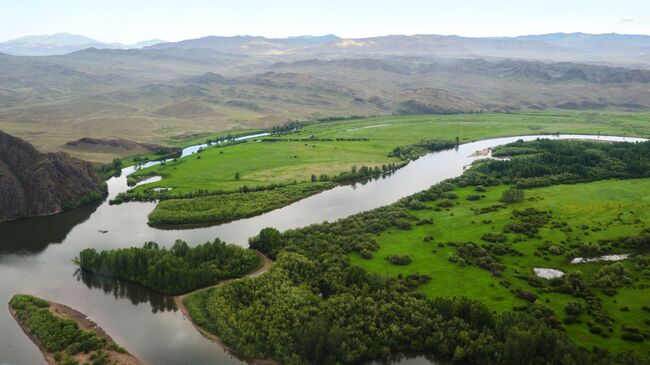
(61, 43)
(37, 184)
(575, 47)
(251, 44)
(158, 93)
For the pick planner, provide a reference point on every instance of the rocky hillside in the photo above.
(35, 184)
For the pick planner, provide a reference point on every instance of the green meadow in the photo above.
(596, 211)
(264, 163)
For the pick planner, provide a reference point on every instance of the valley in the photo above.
(434, 183)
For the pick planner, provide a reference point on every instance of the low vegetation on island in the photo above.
(339, 292)
(179, 269)
(65, 336)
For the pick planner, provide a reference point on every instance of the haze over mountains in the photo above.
(61, 43)
(167, 90)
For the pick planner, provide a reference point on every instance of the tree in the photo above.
(237, 175)
(314, 178)
(512, 195)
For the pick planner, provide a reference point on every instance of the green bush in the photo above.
(172, 271)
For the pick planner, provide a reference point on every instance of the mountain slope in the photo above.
(36, 184)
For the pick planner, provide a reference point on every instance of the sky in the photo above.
(130, 21)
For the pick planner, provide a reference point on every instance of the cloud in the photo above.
(628, 20)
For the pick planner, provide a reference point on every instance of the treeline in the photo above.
(286, 127)
(315, 139)
(58, 336)
(171, 271)
(547, 162)
(223, 208)
(414, 151)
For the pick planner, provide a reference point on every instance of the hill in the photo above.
(36, 184)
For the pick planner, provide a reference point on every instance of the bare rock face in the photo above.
(36, 184)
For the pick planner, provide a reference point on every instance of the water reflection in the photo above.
(409, 359)
(32, 235)
(125, 289)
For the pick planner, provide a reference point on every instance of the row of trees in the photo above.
(176, 270)
(414, 151)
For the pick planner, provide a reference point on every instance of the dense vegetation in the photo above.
(222, 208)
(548, 162)
(176, 270)
(59, 336)
(314, 306)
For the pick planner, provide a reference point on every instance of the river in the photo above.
(36, 254)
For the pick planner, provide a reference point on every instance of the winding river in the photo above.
(36, 254)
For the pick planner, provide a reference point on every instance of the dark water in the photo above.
(36, 254)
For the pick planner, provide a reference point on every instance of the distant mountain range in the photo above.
(166, 90)
(61, 43)
(574, 47)
(612, 48)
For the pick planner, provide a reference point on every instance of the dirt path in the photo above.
(266, 264)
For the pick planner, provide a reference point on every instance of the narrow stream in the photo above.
(36, 254)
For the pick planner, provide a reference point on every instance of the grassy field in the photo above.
(282, 162)
(594, 211)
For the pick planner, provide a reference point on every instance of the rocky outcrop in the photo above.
(35, 184)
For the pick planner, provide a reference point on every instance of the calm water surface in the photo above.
(36, 254)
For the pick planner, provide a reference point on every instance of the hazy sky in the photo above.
(134, 20)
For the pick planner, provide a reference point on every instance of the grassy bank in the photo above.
(263, 163)
(449, 271)
(323, 150)
(65, 336)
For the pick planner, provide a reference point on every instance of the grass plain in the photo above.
(263, 163)
(615, 208)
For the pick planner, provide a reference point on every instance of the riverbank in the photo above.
(179, 300)
(114, 353)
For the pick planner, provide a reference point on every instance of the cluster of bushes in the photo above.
(528, 221)
(286, 127)
(549, 162)
(172, 271)
(612, 276)
(61, 337)
(416, 150)
(399, 259)
(485, 257)
(216, 209)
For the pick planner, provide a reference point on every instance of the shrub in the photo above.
(399, 259)
(512, 195)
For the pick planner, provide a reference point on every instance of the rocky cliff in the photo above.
(35, 184)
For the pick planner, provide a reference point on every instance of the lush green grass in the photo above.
(282, 162)
(222, 208)
(617, 208)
